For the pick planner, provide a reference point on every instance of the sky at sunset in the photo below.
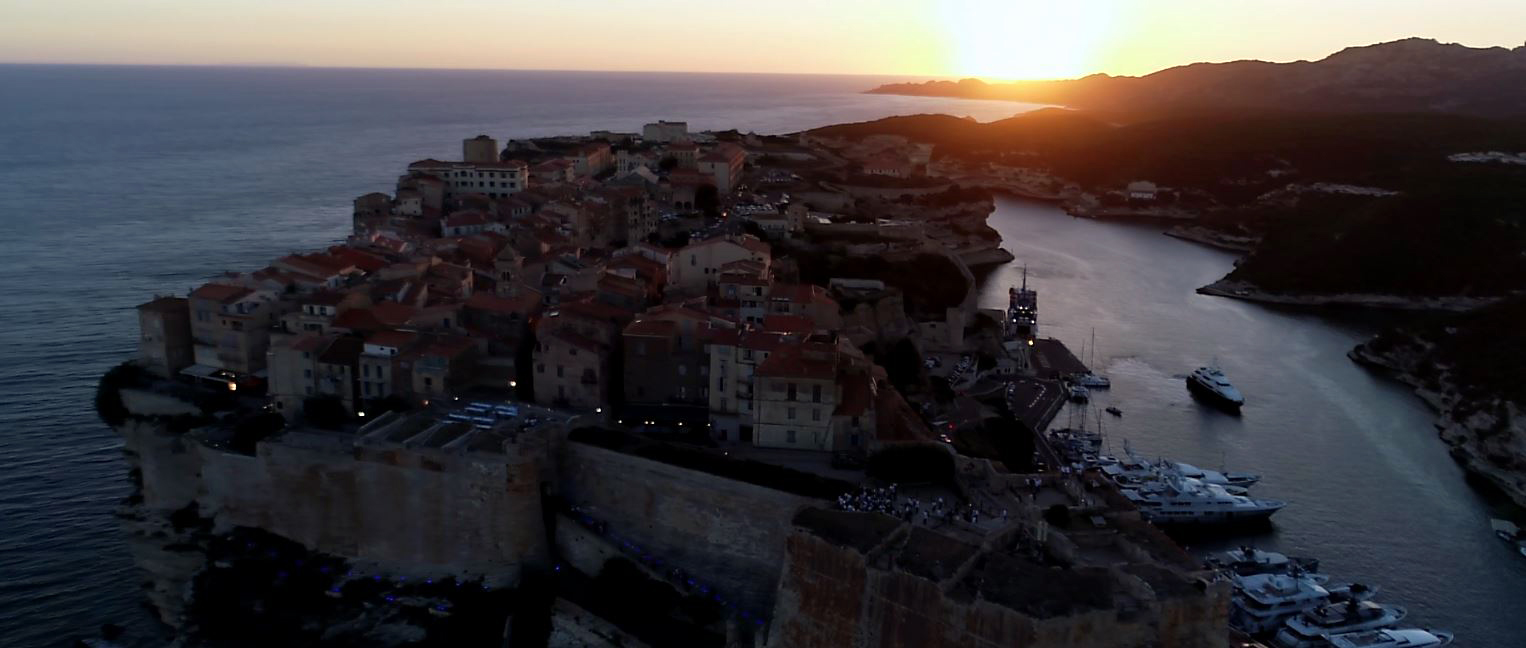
(985, 38)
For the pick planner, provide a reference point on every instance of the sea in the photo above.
(120, 183)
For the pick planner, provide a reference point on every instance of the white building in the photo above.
(492, 179)
(665, 131)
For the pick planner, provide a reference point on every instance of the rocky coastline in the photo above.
(1213, 238)
(1250, 292)
(1485, 434)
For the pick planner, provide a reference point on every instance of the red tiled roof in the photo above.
(392, 338)
(221, 293)
(490, 303)
(165, 305)
(577, 340)
(788, 324)
(358, 258)
(358, 319)
(392, 313)
(465, 219)
(652, 328)
(310, 343)
(762, 340)
(596, 310)
(795, 362)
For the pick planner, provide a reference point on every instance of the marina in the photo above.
(1355, 434)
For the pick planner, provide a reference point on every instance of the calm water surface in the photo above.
(1372, 491)
(120, 182)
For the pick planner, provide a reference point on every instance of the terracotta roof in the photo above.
(596, 310)
(796, 362)
(221, 293)
(762, 340)
(391, 312)
(490, 303)
(577, 340)
(166, 305)
(652, 328)
(310, 343)
(358, 258)
(466, 218)
(392, 338)
(800, 293)
(788, 324)
(358, 319)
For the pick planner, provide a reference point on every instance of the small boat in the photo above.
(1079, 394)
(1396, 638)
(1115, 411)
(1313, 627)
(1093, 381)
(1210, 384)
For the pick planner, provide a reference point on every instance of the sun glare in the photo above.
(1025, 39)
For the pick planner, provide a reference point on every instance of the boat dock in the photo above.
(1053, 360)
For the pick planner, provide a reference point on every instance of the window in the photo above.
(540, 368)
(559, 371)
(683, 370)
(790, 414)
(365, 370)
(816, 393)
(815, 414)
(572, 352)
(792, 393)
(307, 373)
(428, 382)
(789, 436)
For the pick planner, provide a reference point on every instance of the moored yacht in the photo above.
(1079, 394)
(1180, 500)
(1396, 638)
(1210, 383)
(1313, 627)
(1247, 560)
(1243, 480)
(1263, 602)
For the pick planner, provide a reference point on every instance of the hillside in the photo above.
(1427, 225)
(1410, 75)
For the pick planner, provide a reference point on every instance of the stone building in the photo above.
(164, 335)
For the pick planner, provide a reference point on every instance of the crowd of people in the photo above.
(934, 512)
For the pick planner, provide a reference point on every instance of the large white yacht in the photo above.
(1263, 602)
(1313, 627)
(1397, 638)
(1180, 500)
(1130, 469)
(1210, 383)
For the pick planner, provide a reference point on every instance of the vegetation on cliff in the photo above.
(1365, 203)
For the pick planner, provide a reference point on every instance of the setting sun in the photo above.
(1025, 39)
